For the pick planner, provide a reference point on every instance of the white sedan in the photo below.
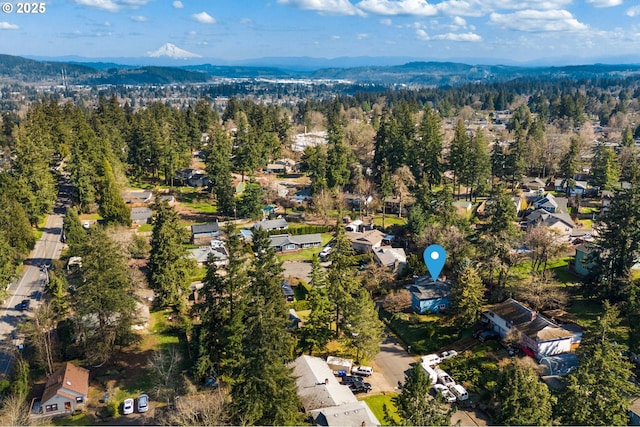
(127, 406)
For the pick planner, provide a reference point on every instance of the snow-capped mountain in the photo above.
(172, 51)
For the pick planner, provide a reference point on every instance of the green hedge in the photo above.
(305, 229)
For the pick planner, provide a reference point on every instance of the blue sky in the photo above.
(517, 31)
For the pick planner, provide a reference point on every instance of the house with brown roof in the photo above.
(66, 391)
(366, 242)
(538, 336)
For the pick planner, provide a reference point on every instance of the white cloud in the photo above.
(107, 24)
(139, 18)
(398, 7)
(463, 37)
(246, 21)
(335, 37)
(332, 7)
(633, 11)
(605, 3)
(362, 36)
(177, 4)
(386, 21)
(422, 35)
(538, 21)
(109, 5)
(204, 18)
(459, 21)
(7, 26)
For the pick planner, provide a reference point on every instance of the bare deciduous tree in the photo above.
(544, 244)
(165, 367)
(541, 293)
(202, 409)
(397, 302)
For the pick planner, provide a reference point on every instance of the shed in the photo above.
(338, 364)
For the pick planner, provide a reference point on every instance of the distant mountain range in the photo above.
(189, 69)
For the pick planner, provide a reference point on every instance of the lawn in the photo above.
(424, 333)
(202, 206)
(90, 217)
(389, 220)
(377, 404)
(145, 228)
(558, 266)
(306, 254)
(74, 420)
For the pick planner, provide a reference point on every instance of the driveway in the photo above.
(390, 365)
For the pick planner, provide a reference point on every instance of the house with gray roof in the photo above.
(392, 258)
(141, 215)
(215, 252)
(560, 222)
(429, 296)
(271, 224)
(329, 402)
(202, 234)
(289, 243)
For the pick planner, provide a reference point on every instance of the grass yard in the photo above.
(306, 254)
(377, 404)
(558, 266)
(74, 420)
(424, 333)
(145, 228)
(90, 217)
(389, 220)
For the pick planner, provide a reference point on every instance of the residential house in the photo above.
(560, 222)
(328, 401)
(547, 202)
(199, 180)
(584, 262)
(287, 291)
(520, 203)
(366, 242)
(392, 204)
(392, 258)
(428, 295)
(308, 139)
(216, 252)
(192, 177)
(578, 188)
(269, 210)
(66, 391)
(289, 243)
(203, 234)
(276, 168)
(141, 215)
(137, 198)
(538, 336)
(463, 208)
(271, 224)
(534, 184)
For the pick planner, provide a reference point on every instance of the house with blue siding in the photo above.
(429, 296)
(584, 259)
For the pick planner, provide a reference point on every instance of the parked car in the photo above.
(360, 387)
(25, 304)
(324, 254)
(444, 378)
(488, 335)
(444, 391)
(364, 371)
(431, 360)
(86, 225)
(448, 354)
(143, 403)
(127, 406)
(348, 380)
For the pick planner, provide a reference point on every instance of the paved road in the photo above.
(31, 284)
(390, 365)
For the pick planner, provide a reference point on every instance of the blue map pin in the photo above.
(435, 257)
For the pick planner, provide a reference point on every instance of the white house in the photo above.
(65, 392)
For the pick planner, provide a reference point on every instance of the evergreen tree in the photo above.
(218, 161)
(597, 391)
(467, 294)
(415, 406)
(103, 304)
(7, 265)
(522, 398)
(619, 243)
(14, 221)
(264, 392)
(428, 150)
(515, 160)
(342, 283)
(169, 267)
(459, 155)
(337, 154)
(251, 203)
(479, 165)
(74, 234)
(112, 208)
(315, 159)
(604, 168)
(317, 329)
(221, 311)
(364, 328)
(570, 162)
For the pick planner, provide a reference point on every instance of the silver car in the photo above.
(143, 403)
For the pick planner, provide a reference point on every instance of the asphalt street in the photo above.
(31, 284)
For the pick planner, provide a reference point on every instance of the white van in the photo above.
(364, 371)
(459, 392)
(431, 359)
